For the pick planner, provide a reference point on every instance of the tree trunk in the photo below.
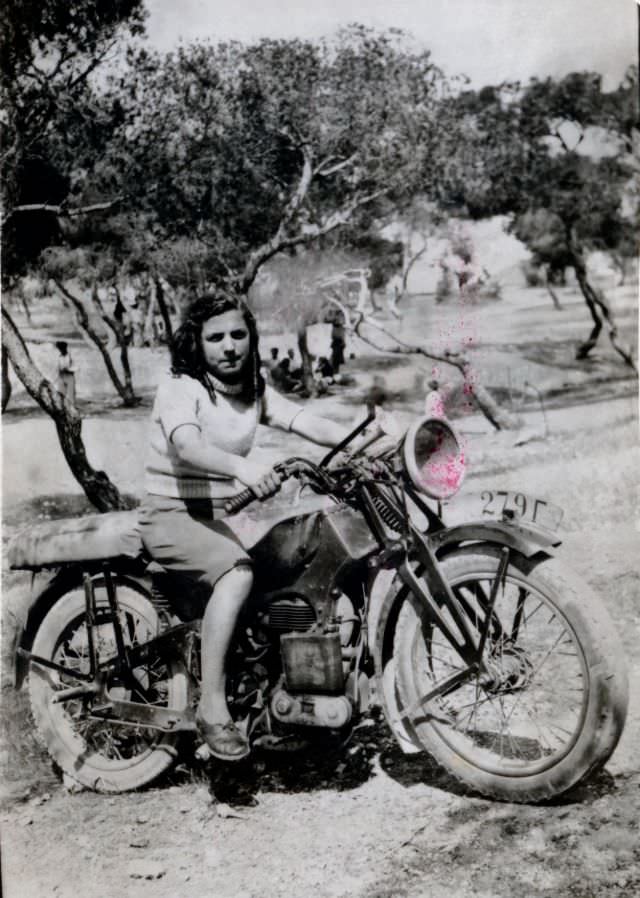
(598, 306)
(500, 418)
(25, 306)
(6, 382)
(100, 491)
(552, 293)
(130, 397)
(409, 265)
(124, 390)
(307, 367)
(164, 310)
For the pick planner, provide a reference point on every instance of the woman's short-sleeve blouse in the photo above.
(230, 424)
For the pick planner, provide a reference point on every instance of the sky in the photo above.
(488, 40)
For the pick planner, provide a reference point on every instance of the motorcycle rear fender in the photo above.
(46, 588)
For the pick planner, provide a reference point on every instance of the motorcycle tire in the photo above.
(550, 705)
(97, 754)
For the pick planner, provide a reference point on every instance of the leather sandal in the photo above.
(225, 740)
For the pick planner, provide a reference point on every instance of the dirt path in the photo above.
(370, 821)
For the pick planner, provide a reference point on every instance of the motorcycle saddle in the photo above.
(96, 537)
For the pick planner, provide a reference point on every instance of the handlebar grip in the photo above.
(236, 503)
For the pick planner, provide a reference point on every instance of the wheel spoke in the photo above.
(523, 707)
(148, 685)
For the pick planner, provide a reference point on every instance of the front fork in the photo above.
(431, 596)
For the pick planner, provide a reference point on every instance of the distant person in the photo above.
(324, 367)
(323, 374)
(394, 290)
(285, 379)
(296, 373)
(66, 373)
(365, 303)
(123, 321)
(434, 401)
(273, 361)
(269, 365)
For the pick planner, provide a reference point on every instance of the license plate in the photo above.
(521, 507)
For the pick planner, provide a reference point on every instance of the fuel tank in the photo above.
(310, 550)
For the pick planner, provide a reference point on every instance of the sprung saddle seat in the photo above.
(103, 537)
(96, 537)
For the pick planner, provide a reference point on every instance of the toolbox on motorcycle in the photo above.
(312, 662)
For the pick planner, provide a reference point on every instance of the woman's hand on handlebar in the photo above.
(261, 478)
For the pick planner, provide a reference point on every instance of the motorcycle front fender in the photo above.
(524, 538)
(529, 541)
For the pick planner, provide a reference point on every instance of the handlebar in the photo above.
(237, 503)
(290, 468)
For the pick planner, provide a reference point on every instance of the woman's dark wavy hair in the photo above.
(187, 356)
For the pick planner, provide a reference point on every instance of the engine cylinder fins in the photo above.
(290, 614)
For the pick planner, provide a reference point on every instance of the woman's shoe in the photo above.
(225, 740)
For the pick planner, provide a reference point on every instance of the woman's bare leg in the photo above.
(218, 623)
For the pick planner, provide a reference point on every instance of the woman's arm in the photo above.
(319, 430)
(192, 448)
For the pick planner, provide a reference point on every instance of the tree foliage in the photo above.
(251, 150)
(555, 156)
(54, 126)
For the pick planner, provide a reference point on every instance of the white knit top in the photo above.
(229, 423)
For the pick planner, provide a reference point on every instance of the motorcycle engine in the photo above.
(294, 614)
(315, 665)
(288, 614)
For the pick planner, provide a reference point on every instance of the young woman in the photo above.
(203, 426)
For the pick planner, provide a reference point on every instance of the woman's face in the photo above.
(226, 345)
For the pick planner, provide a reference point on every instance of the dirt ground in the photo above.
(365, 820)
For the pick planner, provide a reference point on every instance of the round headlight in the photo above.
(433, 458)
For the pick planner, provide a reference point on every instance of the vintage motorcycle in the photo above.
(480, 646)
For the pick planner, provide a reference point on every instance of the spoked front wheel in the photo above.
(547, 704)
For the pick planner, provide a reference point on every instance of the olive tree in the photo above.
(52, 131)
(529, 153)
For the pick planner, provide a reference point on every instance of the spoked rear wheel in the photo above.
(98, 754)
(549, 703)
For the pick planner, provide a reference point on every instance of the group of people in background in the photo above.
(288, 376)
(283, 372)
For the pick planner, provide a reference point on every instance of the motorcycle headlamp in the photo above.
(433, 458)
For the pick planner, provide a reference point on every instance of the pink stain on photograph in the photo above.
(442, 462)
(443, 478)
